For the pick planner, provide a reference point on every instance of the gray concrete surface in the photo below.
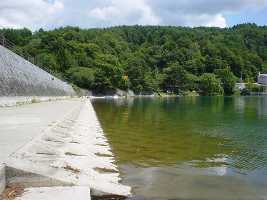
(73, 151)
(19, 125)
(18, 77)
(27, 179)
(2, 178)
(22, 100)
(56, 193)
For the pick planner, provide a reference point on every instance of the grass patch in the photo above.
(34, 100)
(103, 155)
(108, 197)
(72, 169)
(47, 154)
(74, 142)
(105, 170)
(73, 154)
(11, 192)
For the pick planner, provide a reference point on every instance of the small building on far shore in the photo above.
(258, 88)
(262, 79)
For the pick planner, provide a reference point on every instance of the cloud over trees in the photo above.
(52, 13)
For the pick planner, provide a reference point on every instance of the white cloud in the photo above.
(29, 13)
(103, 13)
(205, 20)
(218, 21)
(200, 12)
(118, 12)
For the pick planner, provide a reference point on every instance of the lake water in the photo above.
(191, 147)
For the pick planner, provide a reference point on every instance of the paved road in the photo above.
(18, 125)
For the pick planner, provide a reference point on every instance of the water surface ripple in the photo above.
(189, 147)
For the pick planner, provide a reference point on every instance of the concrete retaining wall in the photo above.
(17, 101)
(18, 77)
(2, 178)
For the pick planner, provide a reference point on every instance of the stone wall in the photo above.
(18, 77)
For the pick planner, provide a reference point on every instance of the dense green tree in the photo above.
(81, 76)
(47, 61)
(147, 59)
(228, 80)
(174, 78)
(209, 85)
(191, 83)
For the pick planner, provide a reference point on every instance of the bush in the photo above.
(209, 85)
(254, 87)
(228, 80)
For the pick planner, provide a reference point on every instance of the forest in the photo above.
(147, 59)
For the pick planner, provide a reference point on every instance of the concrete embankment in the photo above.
(2, 178)
(22, 100)
(71, 151)
(18, 77)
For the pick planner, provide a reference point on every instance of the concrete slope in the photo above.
(18, 77)
(2, 178)
(73, 151)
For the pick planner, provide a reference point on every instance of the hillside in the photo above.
(148, 58)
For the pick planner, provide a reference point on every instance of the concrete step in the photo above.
(56, 193)
(54, 158)
(28, 180)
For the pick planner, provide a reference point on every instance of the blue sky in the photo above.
(49, 14)
(259, 17)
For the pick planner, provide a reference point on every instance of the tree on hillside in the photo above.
(153, 58)
(228, 80)
(47, 61)
(81, 76)
(174, 78)
(209, 85)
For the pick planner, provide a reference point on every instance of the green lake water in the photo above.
(189, 147)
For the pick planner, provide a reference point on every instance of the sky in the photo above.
(49, 14)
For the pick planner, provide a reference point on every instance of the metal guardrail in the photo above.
(12, 47)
